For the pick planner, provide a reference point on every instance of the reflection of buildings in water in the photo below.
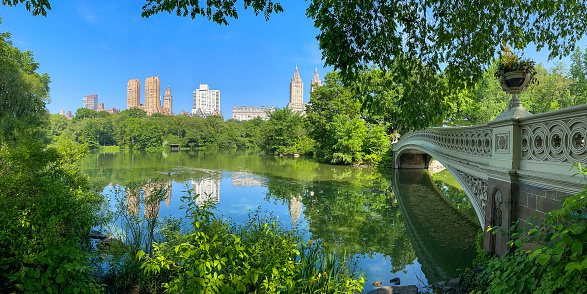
(206, 190)
(132, 201)
(243, 179)
(295, 208)
(151, 200)
(168, 186)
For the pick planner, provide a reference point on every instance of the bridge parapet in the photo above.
(475, 140)
(556, 136)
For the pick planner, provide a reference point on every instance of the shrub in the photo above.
(259, 256)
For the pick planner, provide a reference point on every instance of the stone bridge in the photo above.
(511, 168)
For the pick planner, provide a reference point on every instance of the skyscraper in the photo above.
(206, 102)
(133, 94)
(316, 82)
(90, 102)
(152, 95)
(296, 92)
(168, 101)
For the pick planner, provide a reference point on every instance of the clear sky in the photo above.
(95, 47)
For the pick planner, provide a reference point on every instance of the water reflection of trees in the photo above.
(443, 238)
(453, 192)
(350, 217)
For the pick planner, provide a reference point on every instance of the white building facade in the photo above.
(206, 100)
(244, 113)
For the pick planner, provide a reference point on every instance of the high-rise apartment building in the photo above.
(296, 93)
(168, 101)
(206, 102)
(152, 95)
(316, 82)
(133, 94)
(90, 102)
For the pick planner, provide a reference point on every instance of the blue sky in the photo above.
(95, 47)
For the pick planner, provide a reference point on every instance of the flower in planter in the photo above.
(509, 62)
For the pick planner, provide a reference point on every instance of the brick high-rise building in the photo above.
(168, 101)
(133, 94)
(152, 95)
(296, 93)
(90, 102)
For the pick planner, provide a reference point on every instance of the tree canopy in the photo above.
(463, 35)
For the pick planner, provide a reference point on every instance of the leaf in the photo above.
(543, 259)
(140, 254)
(577, 248)
(59, 279)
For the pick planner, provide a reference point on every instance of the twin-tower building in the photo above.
(296, 99)
(152, 97)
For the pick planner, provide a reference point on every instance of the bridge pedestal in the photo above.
(501, 211)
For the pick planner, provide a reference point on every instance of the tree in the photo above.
(463, 35)
(134, 112)
(83, 112)
(343, 132)
(285, 132)
(23, 93)
(215, 10)
(46, 203)
(578, 73)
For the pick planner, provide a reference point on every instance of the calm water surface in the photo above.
(410, 224)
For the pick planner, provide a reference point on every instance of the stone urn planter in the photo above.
(515, 74)
(515, 82)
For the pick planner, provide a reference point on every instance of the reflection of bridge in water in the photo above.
(441, 235)
(510, 168)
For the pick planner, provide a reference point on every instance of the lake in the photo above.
(412, 224)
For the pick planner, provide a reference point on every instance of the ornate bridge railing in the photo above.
(475, 140)
(556, 136)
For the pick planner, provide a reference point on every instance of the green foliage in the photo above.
(285, 133)
(44, 227)
(46, 203)
(357, 34)
(486, 100)
(132, 229)
(216, 11)
(343, 132)
(578, 73)
(509, 62)
(83, 113)
(261, 256)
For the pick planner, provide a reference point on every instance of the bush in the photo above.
(47, 212)
(260, 256)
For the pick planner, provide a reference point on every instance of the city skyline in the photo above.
(116, 43)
